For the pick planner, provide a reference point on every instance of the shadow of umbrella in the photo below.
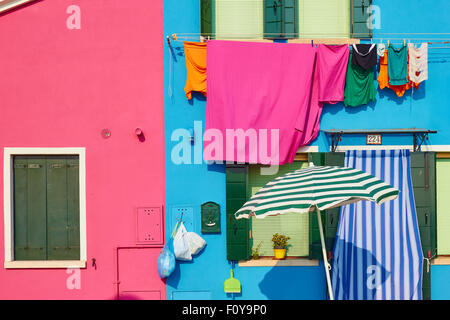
(294, 283)
(357, 273)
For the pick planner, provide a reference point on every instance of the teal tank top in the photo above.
(398, 65)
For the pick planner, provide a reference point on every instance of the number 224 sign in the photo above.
(373, 139)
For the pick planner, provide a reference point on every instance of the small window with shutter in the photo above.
(285, 19)
(243, 235)
(294, 225)
(46, 207)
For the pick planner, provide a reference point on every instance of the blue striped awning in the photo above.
(377, 253)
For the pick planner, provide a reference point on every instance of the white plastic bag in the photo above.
(195, 242)
(180, 244)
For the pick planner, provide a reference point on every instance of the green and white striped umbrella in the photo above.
(323, 187)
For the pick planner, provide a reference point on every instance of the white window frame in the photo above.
(8, 200)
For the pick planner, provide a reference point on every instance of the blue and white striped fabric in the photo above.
(377, 253)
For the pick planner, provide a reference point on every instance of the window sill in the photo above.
(56, 264)
(269, 262)
(441, 261)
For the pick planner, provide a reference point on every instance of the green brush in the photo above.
(232, 285)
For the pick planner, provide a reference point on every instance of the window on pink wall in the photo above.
(45, 217)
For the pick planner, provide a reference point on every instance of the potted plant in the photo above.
(280, 242)
(255, 251)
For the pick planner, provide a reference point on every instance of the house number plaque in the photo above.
(373, 139)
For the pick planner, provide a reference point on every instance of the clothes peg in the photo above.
(388, 43)
(168, 40)
(404, 42)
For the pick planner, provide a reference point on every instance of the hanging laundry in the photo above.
(383, 78)
(262, 101)
(381, 49)
(359, 85)
(332, 69)
(365, 55)
(398, 65)
(195, 54)
(418, 62)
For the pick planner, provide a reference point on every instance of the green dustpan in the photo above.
(232, 285)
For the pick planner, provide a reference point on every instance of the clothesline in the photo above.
(431, 42)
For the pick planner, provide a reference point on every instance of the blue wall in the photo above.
(192, 185)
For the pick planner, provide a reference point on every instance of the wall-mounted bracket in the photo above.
(419, 135)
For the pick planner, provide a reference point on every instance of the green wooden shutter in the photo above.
(62, 208)
(280, 19)
(30, 221)
(332, 215)
(330, 218)
(207, 16)
(238, 231)
(423, 172)
(290, 22)
(359, 19)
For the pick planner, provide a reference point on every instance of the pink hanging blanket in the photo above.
(263, 101)
(332, 71)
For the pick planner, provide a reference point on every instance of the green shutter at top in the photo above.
(280, 19)
(238, 231)
(423, 172)
(330, 217)
(207, 16)
(360, 18)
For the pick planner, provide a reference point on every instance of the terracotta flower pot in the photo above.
(280, 253)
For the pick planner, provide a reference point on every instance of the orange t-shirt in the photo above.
(195, 54)
(383, 78)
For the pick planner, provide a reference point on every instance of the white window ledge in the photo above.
(55, 264)
(441, 261)
(269, 262)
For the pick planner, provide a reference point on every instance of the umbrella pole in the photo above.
(324, 253)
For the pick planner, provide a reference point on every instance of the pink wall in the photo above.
(60, 88)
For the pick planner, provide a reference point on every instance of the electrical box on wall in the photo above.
(210, 212)
(149, 226)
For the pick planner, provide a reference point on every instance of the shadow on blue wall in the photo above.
(197, 96)
(361, 269)
(278, 284)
